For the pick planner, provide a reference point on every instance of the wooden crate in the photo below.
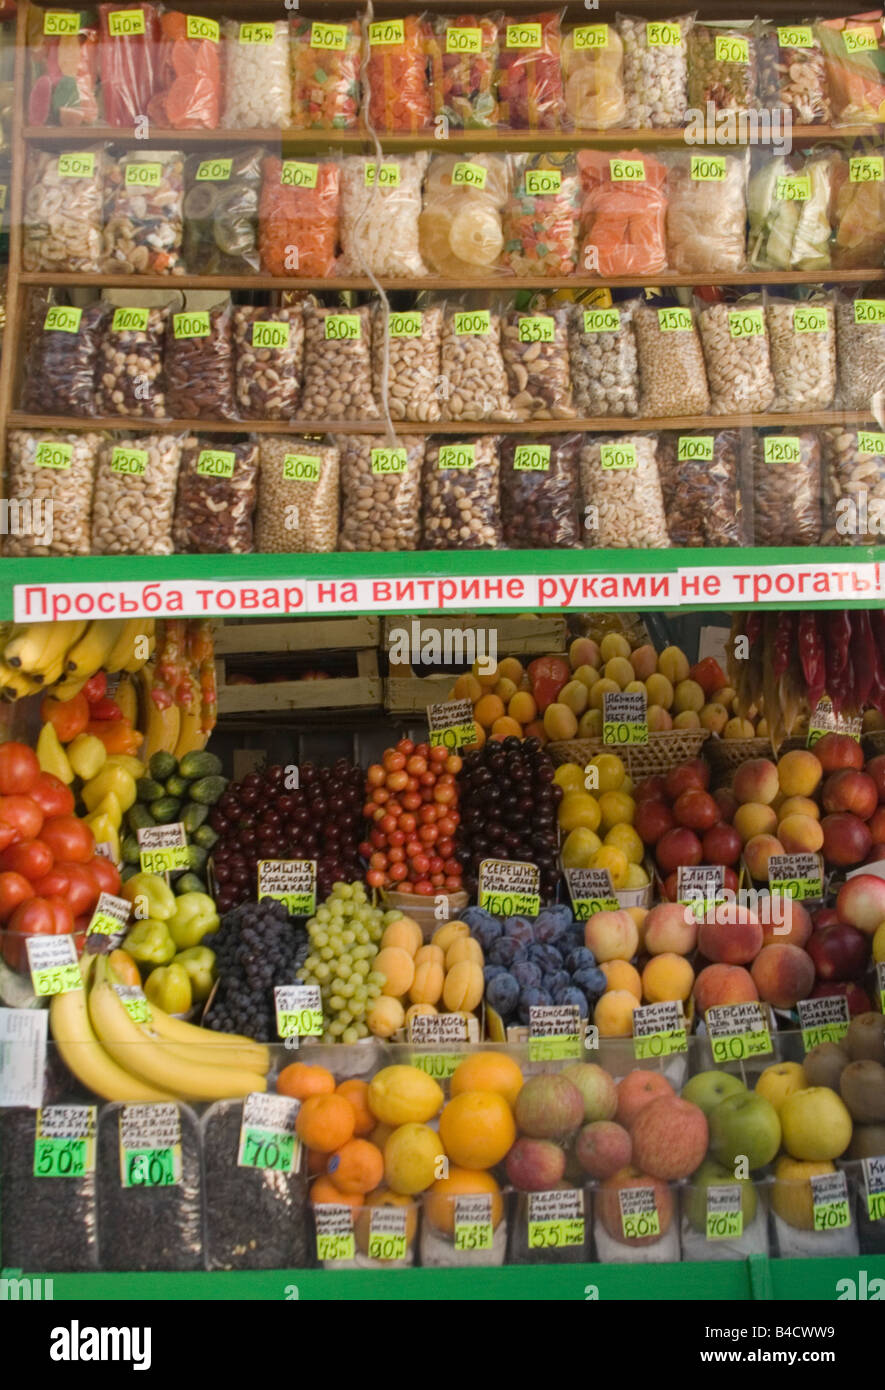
(360, 692)
(406, 693)
(248, 637)
(528, 636)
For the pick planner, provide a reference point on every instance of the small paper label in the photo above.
(62, 319)
(729, 48)
(823, 1020)
(793, 188)
(523, 36)
(57, 24)
(617, 456)
(134, 1001)
(807, 318)
(537, 328)
(268, 334)
(52, 961)
(509, 887)
(387, 177)
(795, 36)
(476, 321)
(467, 40)
(387, 31)
(555, 1033)
(131, 461)
(639, 1212)
(191, 325)
(874, 1179)
(539, 182)
(591, 891)
(406, 325)
(725, 1216)
(590, 36)
(737, 1031)
(824, 719)
(451, 724)
(627, 170)
(110, 917)
(150, 1146)
(746, 323)
(214, 170)
(700, 886)
(829, 1201)
(866, 168)
(473, 1222)
(64, 1143)
(800, 875)
(863, 37)
(334, 1226)
(302, 468)
(782, 449)
(624, 717)
(674, 320)
(124, 23)
(469, 175)
(433, 1030)
(389, 461)
(216, 463)
(76, 166)
(49, 455)
(456, 456)
(708, 168)
(289, 881)
(556, 1219)
(200, 28)
(659, 1030)
(332, 36)
(870, 442)
(267, 1133)
(130, 320)
(531, 458)
(343, 326)
(256, 33)
(602, 320)
(299, 1010)
(23, 1034)
(691, 447)
(163, 848)
(387, 1233)
(663, 35)
(869, 311)
(143, 175)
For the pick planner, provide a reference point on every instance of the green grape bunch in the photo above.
(344, 939)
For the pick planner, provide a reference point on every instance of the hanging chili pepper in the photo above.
(840, 671)
(864, 658)
(783, 643)
(812, 656)
(753, 628)
(877, 622)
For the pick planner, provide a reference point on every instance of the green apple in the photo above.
(744, 1126)
(713, 1174)
(708, 1088)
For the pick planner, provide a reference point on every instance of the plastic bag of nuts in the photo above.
(134, 500)
(854, 485)
(860, 345)
(655, 70)
(706, 212)
(535, 351)
(297, 496)
(221, 212)
(786, 487)
(143, 218)
(63, 210)
(793, 73)
(60, 376)
(623, 502)
(258, 83)
(462, 506)
(700, 479)
(735, 342)
(722, 67)
(474, 379)
(200, 364)
(413, 361)
(130, 378)
(540, 491)
(217, 488)
(269, 346)
(54, 474)
(671, 362)
(802, 335)
(379, 211)
(381, 493)
(602, 354)
(338, 364)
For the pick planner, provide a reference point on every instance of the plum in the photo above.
(477, 917)
(532, 999)
(519, 929)
(503, 994)
(505, 951)
(579, 959)
(490, 971)
(527, 974)
(556, 979)
(546, 956)
(573, 996)
(590, 981)
(552, 924)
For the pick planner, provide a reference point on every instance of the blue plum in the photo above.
(527, 974)
(503, 994)
(580, 959)
(590, 981)
(531, 999)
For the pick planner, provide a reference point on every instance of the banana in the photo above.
(89, 654)
(136, 663)
(48, 675)
(15, 685)
(190, 736)
(124, 647)
(70, 686)
(201, 1044)
(41, 644)
(127, 699)
(83, 1054)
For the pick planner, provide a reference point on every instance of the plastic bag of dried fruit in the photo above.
(461, 225)
(529, 76)
(143, 212)
(380, 492)
(858, 208)
(221, 211)
(541, 216)
(258, 83)
(325, 74)
(463, 52)
(298, 216)
(63, 210)
(379, 211)
(655, 70)
(786, 487)
(706, 212)
(700, 474)
(189, 90)
(540, 491)
(671, 361)
(461, 494)
(854, 49)
(623, 212)
(64, 66)
(788, 203)
(130, 54)
(397, 86)
(793, 72)
(593, 71)
(802, 334)
(217, 490)
(734, 337)
(722, 67)
(621, 488)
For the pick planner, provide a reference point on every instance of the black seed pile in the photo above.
(45, 1223)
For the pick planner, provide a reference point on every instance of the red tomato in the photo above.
(427, 779)
(32, 858)
(452, 868)
(380, 795)
(375, 775)
(8, 835)
(394, 761)
(412, 784)
(106, 874)
(411, 801)
(36, 917)
(82, 891)
(436, 864)
(68, 838)
(453, 883)
(368, 810)
(397, 838)
(397, 781)
(52, 796)
(54, 884)
(393, 808)
(387, 823)
(454, 763)
(378, 860)
(14, 889)
(444, 796)
(405, 886)
(415, 766)
(22, 814)
(445, 845)
(378, 838)
(437, 880)
(422, 750)
(19, 769)
(424, 887)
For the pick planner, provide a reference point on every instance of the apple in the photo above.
(852, 791)
(857, 998)
(696, 809)
(744, 1124)
(693, 773)
(713, 1174)
(839, 953)
(875, 768)
(650, 789)
(727, 802)
(835, 751)
(677, 847)
(722, 845)
(824, 917)
(815, 1123)
(861, 902)
(652, 820)
(780, 1080)
(847, 839)
(708, 1088)
(877, 848)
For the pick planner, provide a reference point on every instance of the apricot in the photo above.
(620, 670)
(799, 806)
(635, 688)
(583, 652)
(644, 661)
(613, 1014)
(487, 709)
(667, 976)
(463, 988)
(799, 773)
(405, 933)
(511, 670)
(414, 1010)
(757, 852)
(467, 687)
(800, 834)
(575, 696)
(398, 967)
(587, 675)
(660, 691)
(754, 819)
(559, 722)
(714, 717)
(620, 974)
(385, 1017)
(659, 721)
(448, 933)
(465, 948)
(687, 719)
(522, 707)
(427, 986)
(614, 644)
(738, 729)
(591, 724)
(505, 727)
(602, 688)
(673, 663)
(430, 955)
(688, 695)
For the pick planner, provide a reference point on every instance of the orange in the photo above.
(356, 1167)
(488, 1071)
(439, 1201)
(478, 741)
(357, 1093)
(505, 727)
(323, 1192)
(487, 709)
(477, 1129)
(325, 1122)
(301, 1080)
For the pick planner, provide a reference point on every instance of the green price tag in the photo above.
(674, 320)
(216, 463)
(199, 28)
(191, 325)
(539, 182)
(510, 904)
(143, 175)
(746, 323)
(151, 1167)
(826, 1032)
(268, 1149)
(387, 31)
(731, 49)
(863, 37)
(590, 36)
(407, 325)
(455, 737)
(476, 321)
(467, 40)
(708, 168)
(55, 25)
(602, 320)
(335, 1247)
(691, 447)
(342, 326)
(554, 1235)
(531, 458)
(456, 456)
(256, 33)
(451, 724)
(869, 311)
(332, 36)
(870, 442)
(635, 1227)
(829, 1201)
(867, 168)
(62, 319)
(565, 1048)
(164, 861)
(663, 35)
(793, 188)
(725, 1215)
(523, 36)
(660, 1044)
(624, 733)
(302, 468)
(658, 1030)
(539, 328)
(134, 1001)
(295, 173)
(831, 1216)
(49, 455)
(389, 461)
(555, 1033)
(617, 456)
(808, 319)
(214, 170)
(439, 1065)
(110, 917)
(823, 1020)
(387, 177)
(76, 166)
(61, 1158)
(466, 175)
(130, 320)
(782, 449)
(299, 1009)
(473, 1223)
(588, 907)
(122, 24)
(132, 461)
(627, 170)
(795, 36)
(269, 334)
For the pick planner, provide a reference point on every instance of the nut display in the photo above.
(671, 363)
(53, 474)
(338, 364)
(217, 489)
(786, 487)
(134, 501)
(258, 84)
(737, 357)
(604, 364)
(655, 71)
(721, 67)
(414, 341)
(62, 361)
(793, 75)
(63, 210)
(860, 344)
(624, 505)
(381, 493)
(199, 364)
(130, 378)
(474, 378)
(462, 507)
(221, 211)
(143, 197)
(297, 496)
(269, 358)
(803, 353)
(540, 491)
(854, 485)
(379, 211)
(706, 213)
(700, 479)
(536, 355)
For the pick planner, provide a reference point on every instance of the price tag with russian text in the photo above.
(508, 888)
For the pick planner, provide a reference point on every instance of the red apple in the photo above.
(727, 802)
(835, 751)
(861, 902)
(696, 809)
(839, 953)
(650, 789)
(876, 823)
(852, 791)
(652, 820)
(677, 847)
(693, 773)
(824, 917)
(846, 839)
(875, 768)
(858, 999)
(722, 844)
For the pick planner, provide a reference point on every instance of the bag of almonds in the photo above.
(200, 364)
(134, 499)
(700, 479)
(297, 496)
(603, 361)
(540, 491)
(381, 492)
(338, 364)
(53, 474)
(462, 507)
(535, 351)
(738, 361)
(413, 361)
(217, 488)
(269, 348)
(623, 502)
(60, 376)
(786, 487)
(474, 379)
(802, 335)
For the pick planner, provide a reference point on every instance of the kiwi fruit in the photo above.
(865, 1039)
(862, 1087)
(867, 1141)
(824, 1064)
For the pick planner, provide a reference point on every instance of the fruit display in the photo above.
(256, 947)
(535, 962)
(412, 806)
(599, 825)
(508, 801)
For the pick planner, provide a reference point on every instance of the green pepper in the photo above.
(194, 916)
(199, 962)
(149, 942)
(169, 987)
(159, 900)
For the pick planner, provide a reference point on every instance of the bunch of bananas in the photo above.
(119, 1059)
(63, 656)
(171, 729)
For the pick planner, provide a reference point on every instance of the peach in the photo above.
(800, 834)
(756, 780)
(799, 806)
(659, 721)
(754, 819)
(714, 717)
(667, 976)
(609, 1205)
(660, 691)
(611, 935)
(670, 1138)
(732, 937)
(686, 719)
(670, 928)
(620, 974)
(637, 1089)
(757, 852)
(673, 663)
(602, 1148)
(644, 661)
(688, 695)
(861, 902)
(799, 773)
(583, 652)
(793, 930)
(783, 974)
(613, 1014)
(723, 984)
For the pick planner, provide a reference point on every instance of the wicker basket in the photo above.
(725, 755)
(651, 759)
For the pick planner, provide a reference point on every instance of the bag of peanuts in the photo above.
(529, 76)
(722, 67)
(854, 469)
(463, 52)
(133, 504)
(414, 341)
(199, 364)
(671, 362)
(536, 356)
(793, 72)
(221, 212)
(129, 45)
(474, 378)
(397, 92)
(297, 496)
(258, 83)
(143, 217)
(734, 337)
(217, 489)
(379, 211)
(63, 210)
(706, 212)
(786, 487)
(461, 226)
(62, 360)
(655, 70)
(269, 356)
(54, 474)
(325, 74)
(700, 474)
(860, 351)
(602, 358)
(298, 217)
(540, 491)
(338, 364)
(130, 379)
(541, 216)
(462, 504)
(380, 493)
(623, 502)
(593, 72)
(623, 212)
(802, 336)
